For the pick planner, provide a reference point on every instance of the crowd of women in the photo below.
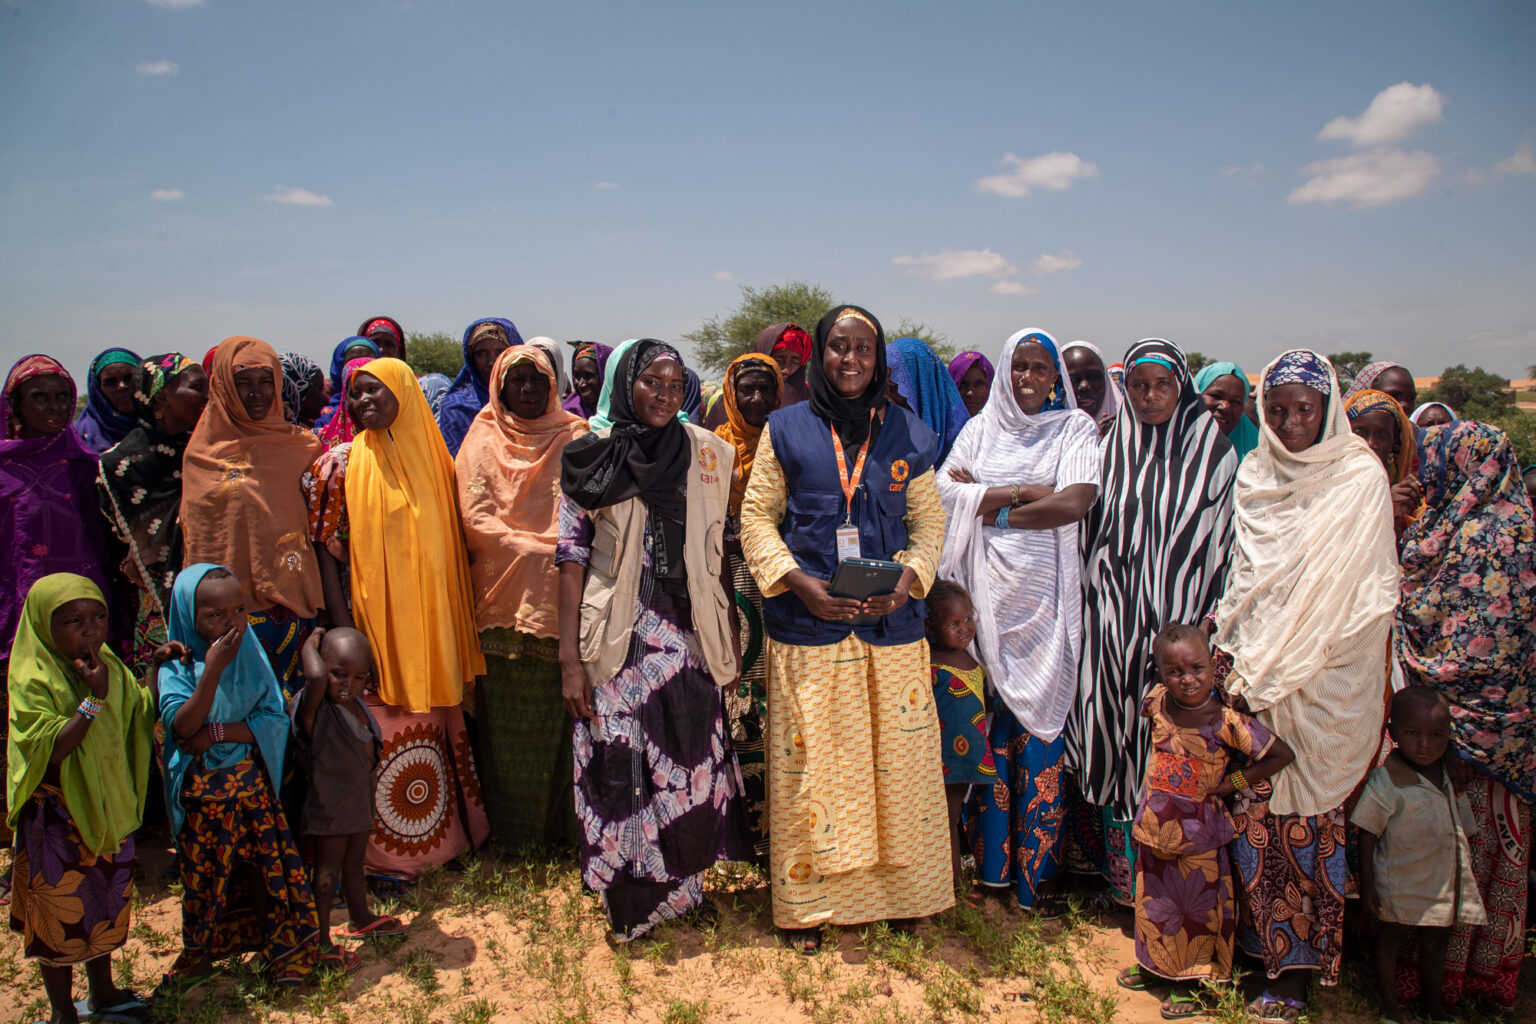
(593, 610)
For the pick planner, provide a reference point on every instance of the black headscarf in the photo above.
(848, 416)
(635, 460)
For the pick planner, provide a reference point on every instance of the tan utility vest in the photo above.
(612, 587)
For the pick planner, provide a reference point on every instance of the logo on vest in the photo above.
(708, 460)
(899, 471)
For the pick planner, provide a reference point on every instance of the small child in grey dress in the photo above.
(337, 744)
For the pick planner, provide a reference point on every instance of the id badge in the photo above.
(847, 542)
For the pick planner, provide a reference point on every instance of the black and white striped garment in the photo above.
(1155, 549)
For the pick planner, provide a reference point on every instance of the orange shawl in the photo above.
(742, 435)
(508, 472)
(410, 576)
(1405, 458)
(241, 503)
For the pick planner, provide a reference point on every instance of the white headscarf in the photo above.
(1307, 613)
(1111, 404)
(557, 360)
(1024, 583)
(1425, 407)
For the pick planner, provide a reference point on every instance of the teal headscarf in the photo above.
(601, 419)
(1245, 436)
(248, 692)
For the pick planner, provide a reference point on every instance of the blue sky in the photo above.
(1240, 178)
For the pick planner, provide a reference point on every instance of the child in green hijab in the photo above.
(79, 752)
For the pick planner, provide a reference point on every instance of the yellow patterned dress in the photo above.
(858, 826)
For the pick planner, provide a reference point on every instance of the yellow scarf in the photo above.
(410, 575)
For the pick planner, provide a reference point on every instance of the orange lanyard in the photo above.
(850, 485)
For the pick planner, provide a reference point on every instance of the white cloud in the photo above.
(1011, 288)
(175, 5)
(297, 197)
(1253, 170)
(1055, 171)
(605, 184)
(166, 195)
(948, 264)
(1522, 161)
(724, 275)
(1374, 177)
(1050, 263)
(155, 67)
(1395, 114)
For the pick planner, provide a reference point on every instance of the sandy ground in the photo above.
(516, 940)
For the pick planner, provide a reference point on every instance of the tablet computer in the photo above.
(865, 577)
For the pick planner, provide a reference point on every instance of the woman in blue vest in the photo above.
(858, 827)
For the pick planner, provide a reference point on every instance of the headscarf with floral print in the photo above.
(1469, 597)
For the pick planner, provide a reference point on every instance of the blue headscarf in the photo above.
(469, 392)
(1299, 367)
(924, 381)
(1244, 436)
(247, 692)
(434, 386)
(99, 425)
(338, 368)
(1057, 399)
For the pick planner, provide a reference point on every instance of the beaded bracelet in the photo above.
(216, 732)
(1238, 779)
(1001, 522)
(1013, 498)
(90, 707)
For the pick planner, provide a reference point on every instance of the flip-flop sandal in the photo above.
(1138, 980)
(379, 928)
(1181, 1005)
(132, 1010)
(1049, 909)
(903, 925)
(344, 960)
(1266, 1009)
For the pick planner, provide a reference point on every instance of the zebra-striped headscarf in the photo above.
(1155, 551)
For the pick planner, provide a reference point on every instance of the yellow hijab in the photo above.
(410, 576)
(105, 778)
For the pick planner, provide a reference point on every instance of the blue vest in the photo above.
(903, 450)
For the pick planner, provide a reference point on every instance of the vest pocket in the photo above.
(607, 547)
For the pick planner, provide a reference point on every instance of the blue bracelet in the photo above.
(1001, 522)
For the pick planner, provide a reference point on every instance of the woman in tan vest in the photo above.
(646, 641)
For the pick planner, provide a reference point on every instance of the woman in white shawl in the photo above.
(1306, 619)
(1020, 476)
(1155, 552)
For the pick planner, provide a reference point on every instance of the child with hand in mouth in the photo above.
(338, 745)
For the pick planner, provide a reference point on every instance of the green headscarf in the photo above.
(1244, 436)
(105, 778)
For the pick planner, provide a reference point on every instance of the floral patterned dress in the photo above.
(1186, 913)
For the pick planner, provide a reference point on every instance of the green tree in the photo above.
(1475, 394)
(719, 340)
(437, 352)
(936, 340)
(1521, 428)
(1349, 365)
(1197, 361)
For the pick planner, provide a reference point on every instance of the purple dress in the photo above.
(658, 790)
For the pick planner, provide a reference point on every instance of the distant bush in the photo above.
(438, 352)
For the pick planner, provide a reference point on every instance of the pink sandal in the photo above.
(378, 928)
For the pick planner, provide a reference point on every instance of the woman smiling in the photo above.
(855, 784)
